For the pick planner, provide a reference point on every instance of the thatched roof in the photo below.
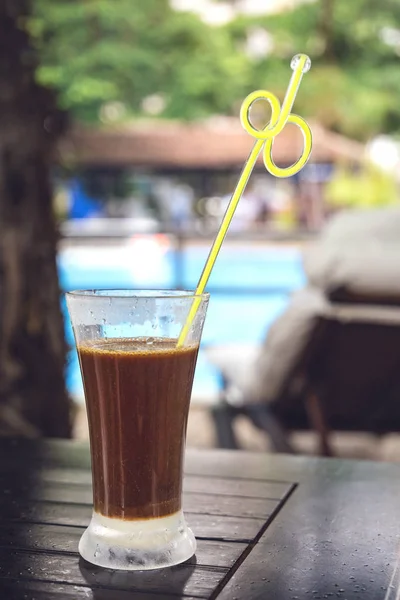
(214, 144)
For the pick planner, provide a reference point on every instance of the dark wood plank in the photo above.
(224, 528)
(192, 503)
(68, 476)
(74, 478)
(55, 453)
(55, 538)
(246, 488)
(207, 504)
(257, 466)
(58, 454)
(62, 454)
(186, 579)
(204, 526)
(16, 589)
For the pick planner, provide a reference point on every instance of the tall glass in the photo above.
(137, 388)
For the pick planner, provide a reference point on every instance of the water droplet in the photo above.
(150, 341)
(296, 60)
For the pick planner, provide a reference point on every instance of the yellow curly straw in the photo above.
(300, 64)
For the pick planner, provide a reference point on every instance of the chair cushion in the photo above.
(261, 373)
(287, 344)
(236, 364)
(357, 260)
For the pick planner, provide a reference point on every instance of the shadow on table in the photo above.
(19, 481)
(172, 580)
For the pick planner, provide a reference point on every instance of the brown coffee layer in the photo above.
(137, 395)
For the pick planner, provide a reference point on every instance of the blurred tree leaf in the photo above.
(105, 51)
(353, 87)
(102, 52)
(369, 187)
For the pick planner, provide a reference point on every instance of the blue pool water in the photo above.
(240, 317)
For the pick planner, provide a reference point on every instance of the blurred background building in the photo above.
(154, 146)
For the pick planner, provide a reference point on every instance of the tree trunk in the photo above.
(33, 399)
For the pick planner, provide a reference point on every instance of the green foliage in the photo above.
(105, 51)
(100, 52)
(354, 85)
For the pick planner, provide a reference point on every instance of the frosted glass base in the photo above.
(137, 545)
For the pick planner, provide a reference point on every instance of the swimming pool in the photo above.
(243, 316)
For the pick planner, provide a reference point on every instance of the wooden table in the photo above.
(269, 527)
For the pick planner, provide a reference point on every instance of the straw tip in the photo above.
(301, 60)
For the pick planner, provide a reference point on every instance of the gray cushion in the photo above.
(286, 345)
(236, 363)
(357, 259)
(260, 373)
